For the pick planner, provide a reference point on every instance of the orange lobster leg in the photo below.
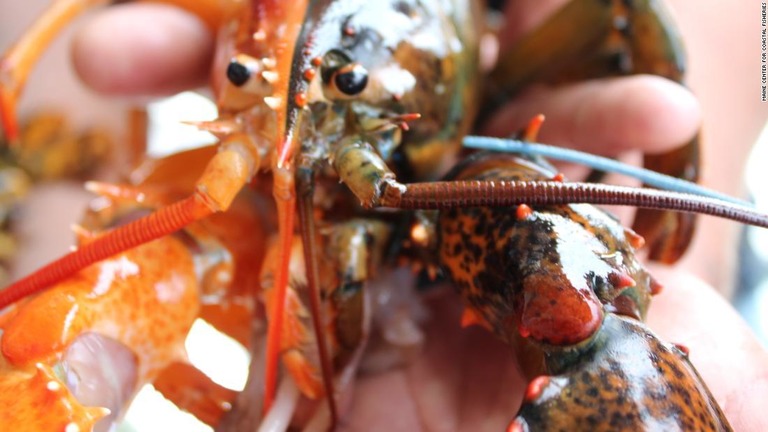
(192, 391)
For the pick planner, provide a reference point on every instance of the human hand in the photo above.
(466, 380)
(603, 116)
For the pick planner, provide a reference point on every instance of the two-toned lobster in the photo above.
(347, 105)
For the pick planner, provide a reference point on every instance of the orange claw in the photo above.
(159, 301)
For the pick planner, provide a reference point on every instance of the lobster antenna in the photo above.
(501, 193)
(649, 177)
(165, 221)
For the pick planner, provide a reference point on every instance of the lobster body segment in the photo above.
(562, 285)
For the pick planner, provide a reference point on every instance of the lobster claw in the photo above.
(624, 379)
(593, 39)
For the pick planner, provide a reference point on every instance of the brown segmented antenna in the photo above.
(500, 193)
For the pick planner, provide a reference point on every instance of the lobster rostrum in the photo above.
(377, 96)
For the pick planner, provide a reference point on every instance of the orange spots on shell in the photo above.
(683, 349)
(301, 99)
(42, 402)
(535, 387)
(621, 280)
(559, 177)
(656, 287)
(317, 61)
(516, 426)
(309, 74)
(349, 31)
(523, 211)
(470, 317)
(635, 240)
(524, 331)
(532, 129)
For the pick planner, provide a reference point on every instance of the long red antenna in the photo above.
(161, 223)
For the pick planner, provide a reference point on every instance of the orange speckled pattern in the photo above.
(25, 395)
(546, 275)
(135, 298)
(563, 286)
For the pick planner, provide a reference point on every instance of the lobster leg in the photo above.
(590, 39)
(192, 391)
(345, 259)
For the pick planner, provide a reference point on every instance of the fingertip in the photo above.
(608, 116)
(644, 112)
(143, 49)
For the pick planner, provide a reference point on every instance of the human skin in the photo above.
(478, 388)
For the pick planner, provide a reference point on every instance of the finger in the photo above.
(607, 116)
(464, 380)
(521, 16)
(724, 350)
(143, 49)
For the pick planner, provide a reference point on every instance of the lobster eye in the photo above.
(237, 73)
(351, 79)
(341, 76)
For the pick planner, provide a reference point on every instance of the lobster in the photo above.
(299, 95)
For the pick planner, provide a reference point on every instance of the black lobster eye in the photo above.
(237, 73)
(351, 79)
